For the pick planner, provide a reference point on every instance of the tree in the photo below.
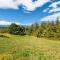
(22, 30)
(16, 29)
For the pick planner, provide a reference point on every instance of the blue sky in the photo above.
(28, 11)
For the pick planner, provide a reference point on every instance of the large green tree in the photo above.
(16, 29)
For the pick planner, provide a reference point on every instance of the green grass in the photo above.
(14, 47)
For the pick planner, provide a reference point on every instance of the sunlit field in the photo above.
(15, 47)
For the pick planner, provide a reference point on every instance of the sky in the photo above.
(26, 12)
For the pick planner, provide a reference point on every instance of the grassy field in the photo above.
(14, 47)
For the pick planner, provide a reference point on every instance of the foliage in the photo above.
(46, 29)
(16, 29)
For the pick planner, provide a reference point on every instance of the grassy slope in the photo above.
(28, 48)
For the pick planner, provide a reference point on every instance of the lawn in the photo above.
(15, 47)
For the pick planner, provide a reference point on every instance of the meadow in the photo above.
(16, 47)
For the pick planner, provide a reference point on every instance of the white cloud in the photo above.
(54, 7)
(54, 10)
(28, 4)
(8, 4)
(51, 17)
(46, 10)
(3, 22)
(39, 3)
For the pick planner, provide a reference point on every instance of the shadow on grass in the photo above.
(3, 36)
